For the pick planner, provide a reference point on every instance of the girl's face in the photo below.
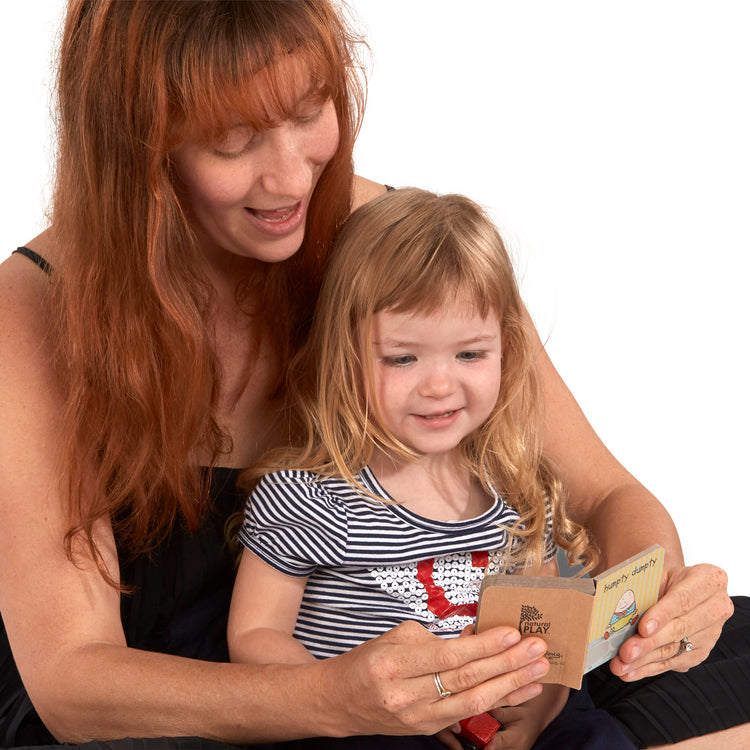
(249, 193)
(437, 376)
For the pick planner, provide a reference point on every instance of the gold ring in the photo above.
(439, 685)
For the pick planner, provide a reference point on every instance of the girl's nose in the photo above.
(437, 384)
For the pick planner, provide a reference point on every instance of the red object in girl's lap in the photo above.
(480, 729)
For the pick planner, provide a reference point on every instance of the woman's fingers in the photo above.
(477, 666)
(692, 611)
(481, 684)
(694, 598)
(390, 687)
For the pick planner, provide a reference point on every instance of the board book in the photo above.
(583, 620)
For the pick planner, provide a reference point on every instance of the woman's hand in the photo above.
(387, 685)
(694, 605)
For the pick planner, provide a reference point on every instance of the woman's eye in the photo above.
(400, 360)
(470, 356)
(309, 116)
(234, 143)
(311, 108)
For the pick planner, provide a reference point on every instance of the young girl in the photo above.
(418, 467)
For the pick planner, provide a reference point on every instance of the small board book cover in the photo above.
(583, 620)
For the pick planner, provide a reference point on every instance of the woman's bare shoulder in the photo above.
(365, 190)
(25, 317)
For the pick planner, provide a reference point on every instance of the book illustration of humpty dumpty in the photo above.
(626, 613)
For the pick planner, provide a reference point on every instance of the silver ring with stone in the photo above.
(685, 646)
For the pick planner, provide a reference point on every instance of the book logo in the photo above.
(532, 621)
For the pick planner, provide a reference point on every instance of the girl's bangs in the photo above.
(449, 278)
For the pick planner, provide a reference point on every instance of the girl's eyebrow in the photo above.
(396, 343)
(481, 338)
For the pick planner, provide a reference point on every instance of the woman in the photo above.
(204, 166)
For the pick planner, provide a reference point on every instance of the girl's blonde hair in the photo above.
(415, 251)
(134, 329)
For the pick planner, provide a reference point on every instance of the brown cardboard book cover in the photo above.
(582, 620)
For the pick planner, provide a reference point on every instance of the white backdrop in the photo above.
(610, 142)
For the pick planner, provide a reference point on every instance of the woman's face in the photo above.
(249, 193)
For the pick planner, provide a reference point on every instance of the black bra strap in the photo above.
(36, 258)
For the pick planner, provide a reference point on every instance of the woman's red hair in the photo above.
(134, 337)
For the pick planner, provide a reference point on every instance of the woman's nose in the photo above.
(286, 171)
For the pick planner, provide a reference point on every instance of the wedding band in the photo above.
(439, 685)
(685, 646)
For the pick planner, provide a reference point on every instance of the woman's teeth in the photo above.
(276, 216)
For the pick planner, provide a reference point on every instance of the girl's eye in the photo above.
(400, 360)
(471, 356)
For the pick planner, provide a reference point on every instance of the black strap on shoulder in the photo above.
(35, 258)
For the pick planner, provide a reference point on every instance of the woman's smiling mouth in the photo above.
(278, 221)
(276, 215)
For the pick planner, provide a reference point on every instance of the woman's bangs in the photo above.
(256, 93)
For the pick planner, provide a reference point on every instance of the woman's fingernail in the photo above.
(512, 638)
(539, 668)
(651, 627)
(635, 652)
(536, 649)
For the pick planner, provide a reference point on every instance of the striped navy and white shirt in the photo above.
(372, 565)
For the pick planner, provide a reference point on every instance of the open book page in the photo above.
(623, 594)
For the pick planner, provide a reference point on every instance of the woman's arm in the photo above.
(265, 604)
(63, 620)
(625, 518)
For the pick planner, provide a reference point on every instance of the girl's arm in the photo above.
(265, 603)
(625, 518)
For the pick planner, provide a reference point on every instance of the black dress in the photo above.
(180, 606)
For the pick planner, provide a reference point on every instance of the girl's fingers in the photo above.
(449, 739)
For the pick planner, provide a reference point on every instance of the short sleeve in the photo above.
(550, 547)
(294, 523)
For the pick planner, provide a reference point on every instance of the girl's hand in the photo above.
(449, 737)
(522, 725)
(694, 605)
(387, 685)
